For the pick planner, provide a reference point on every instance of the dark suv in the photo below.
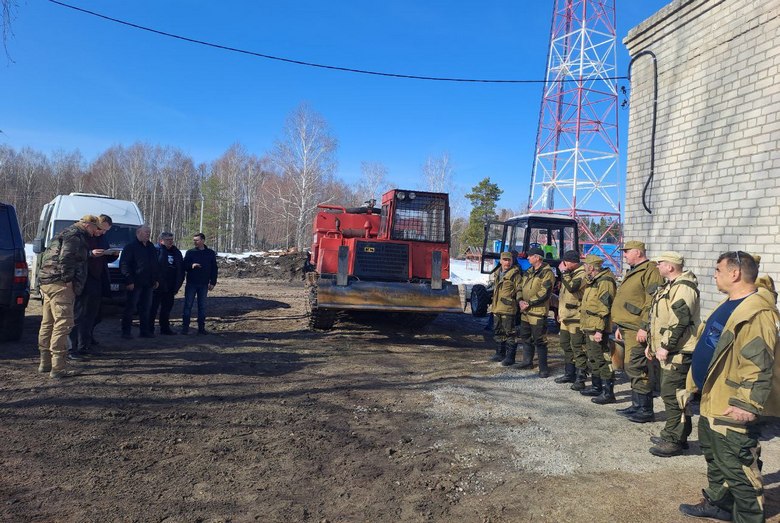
(14, 284)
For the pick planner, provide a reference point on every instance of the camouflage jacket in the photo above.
(674, 317)
(635, 295)
(572, 289)
(597, 303)
(505, 291)
(65, 260)
(537, 287)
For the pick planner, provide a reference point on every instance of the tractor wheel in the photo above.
(319, 319)
(480, 299)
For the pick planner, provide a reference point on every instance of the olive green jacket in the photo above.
(506, 291)
(65, 260)
(635, 295)
(597, 303)
(537, 287)
(766, 281)
(744, 371)
(572, 288)
(674, 318)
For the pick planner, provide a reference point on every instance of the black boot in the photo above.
(568, 374)
(629, 411)
(594, 389)
(579, 380)
(528, 356)
(544, 370)
(607, 394)
(644, 413)
(500, 352)
(509, 359)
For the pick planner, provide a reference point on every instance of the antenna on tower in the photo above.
(575, 168)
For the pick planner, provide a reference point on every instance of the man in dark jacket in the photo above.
(87, 304)
(140, 271)
(62, 277)
(200, 264)
(171, 266)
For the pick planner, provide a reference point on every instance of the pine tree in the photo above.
(483, 197)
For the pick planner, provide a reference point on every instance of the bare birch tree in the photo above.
(373, 181)
(437, 173)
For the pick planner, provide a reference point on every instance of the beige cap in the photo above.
(633, 244)
(595, 261)
(671, 257)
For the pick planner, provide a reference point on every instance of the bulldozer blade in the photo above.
(388, 296)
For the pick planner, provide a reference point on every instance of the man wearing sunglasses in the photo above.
(734, 367)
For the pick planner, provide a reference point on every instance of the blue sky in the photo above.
(80, 82)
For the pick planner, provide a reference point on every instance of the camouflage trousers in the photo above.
(573, 346)
(599, 358)
(504, 329)
(678, 425)
(635, 362)
(733, 472)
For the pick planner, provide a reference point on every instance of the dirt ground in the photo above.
(266, 421)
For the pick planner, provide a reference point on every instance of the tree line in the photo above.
(241, 201)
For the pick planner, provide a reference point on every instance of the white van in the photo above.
(64, 210)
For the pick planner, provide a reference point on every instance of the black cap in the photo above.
(535, 250)
(571, 256)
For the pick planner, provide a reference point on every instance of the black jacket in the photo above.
(171, 265)
(207, 274)
(138, 264)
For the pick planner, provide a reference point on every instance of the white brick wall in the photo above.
(717, 164)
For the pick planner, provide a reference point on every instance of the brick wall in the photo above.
(717, 157)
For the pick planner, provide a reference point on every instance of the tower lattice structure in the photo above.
(576, 162)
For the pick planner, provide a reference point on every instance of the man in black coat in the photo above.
(140, 271)
(200, 264)
(171, 266)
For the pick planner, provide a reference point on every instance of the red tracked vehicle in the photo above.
(391, 259)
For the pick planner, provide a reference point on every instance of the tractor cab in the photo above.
(554, 234)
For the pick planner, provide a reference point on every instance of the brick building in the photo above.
(716, 184)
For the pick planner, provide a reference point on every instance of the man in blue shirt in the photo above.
(200, 265)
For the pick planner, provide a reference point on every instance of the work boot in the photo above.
(544, 370)
(666, 449)
(579, 380)
(509, 359)
(705, 509)
(500, 352)
(644, 414)
(628, 411)
(528, 356)
(59, 367)
(657, 440)
(595, 387)
(64, 373)
(607, 394)
(45, 364)
(568, 374)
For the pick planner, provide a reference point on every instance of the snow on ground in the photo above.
(464, 272)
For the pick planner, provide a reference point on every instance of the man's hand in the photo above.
(97, 253)
(156, 284)
(618, 335)
(641, 336)
(130, 286)
(211, 287)
(598, 336)
(662, 354)
(562, 266)
(523, 305)
(196, 265)
(740, 415)
(647, 353)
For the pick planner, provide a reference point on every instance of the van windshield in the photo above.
(119, 235)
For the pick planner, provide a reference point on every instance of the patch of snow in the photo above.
(464, 272)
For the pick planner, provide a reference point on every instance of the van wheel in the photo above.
(11, 325)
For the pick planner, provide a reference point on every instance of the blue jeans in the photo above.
(190, 291)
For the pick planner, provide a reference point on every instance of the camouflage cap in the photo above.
(671, 257)
(633, 244)
(506, 255)
(595, 261)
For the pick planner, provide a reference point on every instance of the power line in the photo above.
(311, 64)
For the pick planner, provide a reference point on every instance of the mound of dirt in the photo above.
(286, 267)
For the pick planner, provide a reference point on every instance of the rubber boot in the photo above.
(500, 352)
(579, 380)
(607, 394)
(509, 359)
(629, 411)
(528, 356)
(544, 370)
(644, 413)
(568, 374)
(45, 364)
(595, 387)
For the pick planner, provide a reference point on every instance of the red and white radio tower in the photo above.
(576, 165)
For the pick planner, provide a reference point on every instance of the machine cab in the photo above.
(553, 234)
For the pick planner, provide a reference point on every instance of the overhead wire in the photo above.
(317, 65)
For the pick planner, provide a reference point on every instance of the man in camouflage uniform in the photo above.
(62, 277)
(630, 312)
(674, 318)
(573, 283)
(504, 308)
(595, 322)
(735, 366)
(537, 287)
